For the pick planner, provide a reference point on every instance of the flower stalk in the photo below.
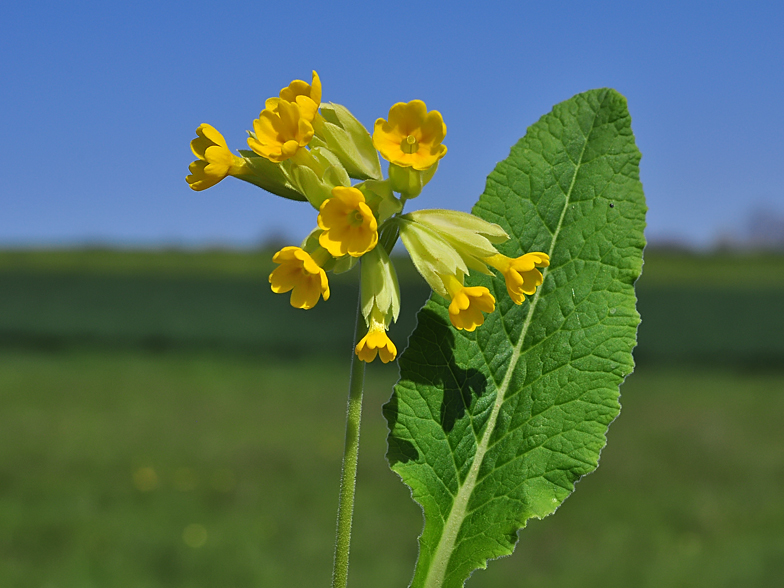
(348, 473)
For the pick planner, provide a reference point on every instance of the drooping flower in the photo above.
(376, 342)
(412, 136)
(468, 303)
(299, 273)
(280, 133)
(215, 160)
(520, 274)
(348, 223)
(380, 304)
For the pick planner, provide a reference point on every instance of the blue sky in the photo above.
(100, 101)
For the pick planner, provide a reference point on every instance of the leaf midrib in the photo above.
(443, 552)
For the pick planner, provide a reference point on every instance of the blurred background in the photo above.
(165, 420)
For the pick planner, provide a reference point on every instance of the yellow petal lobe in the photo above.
(298, 88)
(376, 343)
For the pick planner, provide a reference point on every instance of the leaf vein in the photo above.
(444, 549)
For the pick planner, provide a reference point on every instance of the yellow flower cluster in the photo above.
(303, 149)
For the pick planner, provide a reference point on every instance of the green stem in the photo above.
(348, 477)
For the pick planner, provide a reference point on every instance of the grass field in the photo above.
(164, 424)
(711, 309)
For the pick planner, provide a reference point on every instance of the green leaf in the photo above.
(494, 427)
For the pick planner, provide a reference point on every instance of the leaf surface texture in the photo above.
(494, 427)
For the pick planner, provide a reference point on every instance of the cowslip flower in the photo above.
(376, 343)
(215, 160)
(300, 273)
(520, 274)
(446, 244)
(380, 304)
(444, 269)
(279, 134)
(468, 303)
(299, 88)
(348, 224)
(412, 136)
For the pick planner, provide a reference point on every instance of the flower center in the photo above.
(356, 219)
(409, 145)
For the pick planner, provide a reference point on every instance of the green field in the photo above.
(167, 421)
(716, 310)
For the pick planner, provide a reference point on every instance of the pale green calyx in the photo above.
(464, 224)
(469, 235)
(347, 138)
(269, 176)
(335, 174)
(379, 196)
(314, 173)
(432, 255)
(408, 181)
(380, 289)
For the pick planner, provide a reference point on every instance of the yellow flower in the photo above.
(468, 304)
(412, 136)
(298, 88)
(376, 342)
(300, 273)
(281, 133)
(521, 274)
(215, 160)
(348, 223)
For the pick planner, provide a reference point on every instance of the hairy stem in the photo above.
(348, 477)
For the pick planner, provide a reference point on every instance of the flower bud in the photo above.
(315, 172)
(345, 136)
